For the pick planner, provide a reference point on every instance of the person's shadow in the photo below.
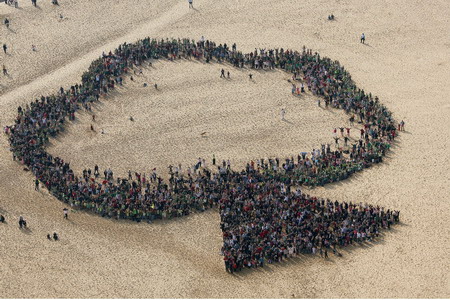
(287, 121)
(26, 230)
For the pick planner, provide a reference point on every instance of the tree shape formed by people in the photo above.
(265, 217)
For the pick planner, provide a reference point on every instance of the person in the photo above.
(402, 125)
(336, 140)
(191, 5)
(214, 160)
(49, 237)
(36, 185)
(22, 222)
(33, 48)
(283, 113)
(352, 120)
(55, 2)
(4, 48)
(222, 73)
(345, 140)
(2, 219)
(55, 236)
(66, 213)
(228, 74)
(363, 38)
(250, 76)
(6, 22)
(34, 2)
(5, 72)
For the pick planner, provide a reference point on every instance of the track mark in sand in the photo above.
(78, 65)
(264, 216)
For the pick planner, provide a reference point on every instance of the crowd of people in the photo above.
(264, 215)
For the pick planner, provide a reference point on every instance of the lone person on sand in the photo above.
(22, 222)
(363, 38)
(190, 4)
(66, 213)
(283, 113)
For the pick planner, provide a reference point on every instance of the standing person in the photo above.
(283, 113)
(348, 131)
(222, 73)
(6, 22)
(214, 160)
(4, 48)
(66, 213)
(5, 72)
(191, 5)
(36, 185)
(22, 223)
(363, 38)
(336, 140)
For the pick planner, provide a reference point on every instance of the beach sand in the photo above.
(406, 62)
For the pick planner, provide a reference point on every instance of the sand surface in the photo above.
(406, 62)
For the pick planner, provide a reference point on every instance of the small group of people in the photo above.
(264, 214)
(14, 3)
(54, 237)
(222, 74)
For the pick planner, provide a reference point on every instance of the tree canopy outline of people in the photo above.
(265, 216)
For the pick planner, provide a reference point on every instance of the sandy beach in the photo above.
(405, 62)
